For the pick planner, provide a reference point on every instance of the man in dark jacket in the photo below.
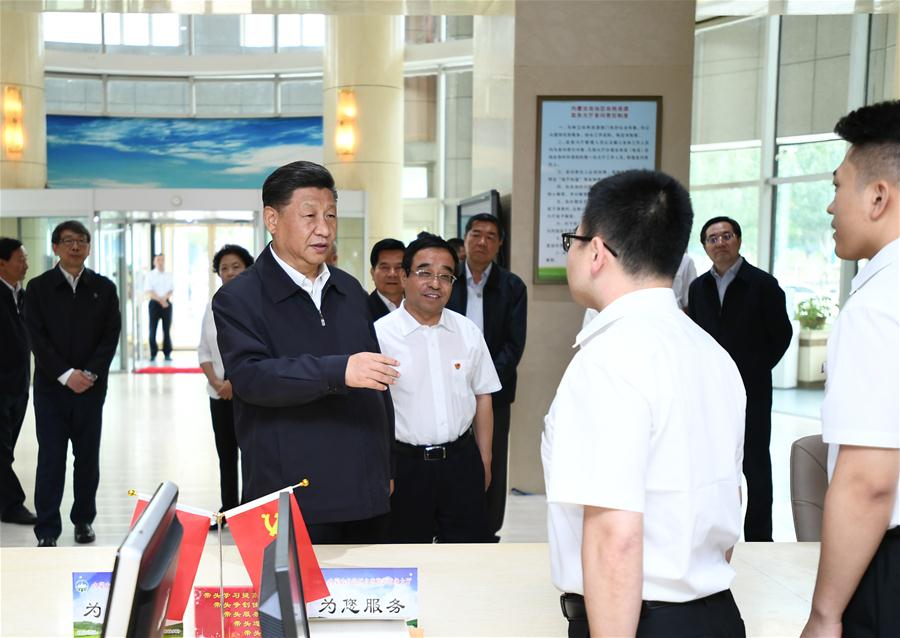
(15, 377)
(744, 309)
(310, 399)
(73, 320)
(387, 264)
(497, 301)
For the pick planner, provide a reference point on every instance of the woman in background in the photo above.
(230, 261)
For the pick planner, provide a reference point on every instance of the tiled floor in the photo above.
(157, 427)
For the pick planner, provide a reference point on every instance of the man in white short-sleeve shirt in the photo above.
(442, 405)
(858, 586)
(159, 286)
(643, 443)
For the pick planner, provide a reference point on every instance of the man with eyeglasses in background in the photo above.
(642, 444)
(743, 308)
(387, 264)
(73, 320)
(442, 405)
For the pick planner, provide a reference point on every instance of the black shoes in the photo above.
(47, 542)
(84, 533)
(20, 516)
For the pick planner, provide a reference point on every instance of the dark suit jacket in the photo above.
(505, 318)
(295, 418)
(752, 323)
(15, 356)
(72, 330)
(376, 306)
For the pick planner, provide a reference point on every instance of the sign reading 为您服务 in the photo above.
(383, 593)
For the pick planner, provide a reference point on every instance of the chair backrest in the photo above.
(809, 481)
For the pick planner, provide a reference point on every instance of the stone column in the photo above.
(364, 54)
(22, 67)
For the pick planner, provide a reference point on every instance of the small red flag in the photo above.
(196, 527)
(254, 525)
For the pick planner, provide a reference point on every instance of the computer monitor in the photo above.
(145, 569)
(282, 606)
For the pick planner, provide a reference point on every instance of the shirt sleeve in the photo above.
(600, 440)
(207, 337)
(484, 377)
(862, 404)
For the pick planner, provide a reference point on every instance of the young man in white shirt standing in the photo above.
(442, 405)
(858, 587)
(159, 287)
(642, 446)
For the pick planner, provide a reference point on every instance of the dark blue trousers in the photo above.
(60, 417)
(12, 413)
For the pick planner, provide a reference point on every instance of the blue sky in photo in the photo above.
(135, 152)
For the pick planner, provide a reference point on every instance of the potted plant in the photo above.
(813, 314)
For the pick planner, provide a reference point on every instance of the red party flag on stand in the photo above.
(195, 523)
(254, 525)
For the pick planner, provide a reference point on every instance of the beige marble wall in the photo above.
(572, 47)
(365, 54)
(22, 65)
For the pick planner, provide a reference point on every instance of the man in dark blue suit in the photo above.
(73, 319)
(15, 377)
(497, 301)
(310, 399)
(744, 309)
(387, 264)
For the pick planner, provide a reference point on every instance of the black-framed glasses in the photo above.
(441, 278)
(68, 242)
(568, 237)
(715, 239)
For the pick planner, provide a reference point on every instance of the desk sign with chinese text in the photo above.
(90, 591)
(372, 593)
(582, 140)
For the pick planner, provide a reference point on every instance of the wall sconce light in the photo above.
(13, 131)
(345, 132)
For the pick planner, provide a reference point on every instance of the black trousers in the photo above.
(157, 312)
(874, 609)
(12, 413)
(758, 468)
(442, 499)
(61, 417)
(715, 616)
(495, 497)
(368, 531)
(222, 413)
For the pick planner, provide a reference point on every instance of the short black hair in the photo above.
(874, 133)
(645, 216)
(232, 249)
(427, 240)
(279, 187)
(385, 244)
(71, 225)
(485, 217)
(8, 246)
(456, 243)
(736, 227)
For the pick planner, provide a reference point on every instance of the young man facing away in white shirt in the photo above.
(858, 586)
(443, 415)
(643, 444)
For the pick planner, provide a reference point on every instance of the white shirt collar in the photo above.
(731, 272)
(298, 277)
(391, 306)
(73, 281)
(409, 324)
(882, 259)
(15, 289)
(645, 301)
(484, 276)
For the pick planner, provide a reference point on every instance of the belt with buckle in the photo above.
(432, 452)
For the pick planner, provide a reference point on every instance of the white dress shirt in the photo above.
(313, 287)
(724, 280)
(14, 290)
(687, 273)
(862, 370)
(390, 305)
(648, 417)
(442, 368)
(208, 349)
(159, 283)
(475, 296)
(73, 282)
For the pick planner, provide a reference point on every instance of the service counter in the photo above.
(464, 590)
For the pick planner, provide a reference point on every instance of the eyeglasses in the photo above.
(427, 275)
(568, 237)
(715, 239)
(68, 242)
